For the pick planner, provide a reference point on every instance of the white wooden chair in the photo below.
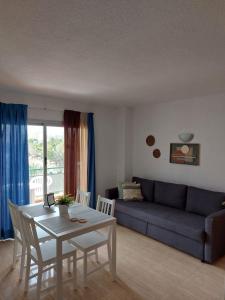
(91, 241)
(44, 255)
(18, 236)
(83, 197)
(106, 206)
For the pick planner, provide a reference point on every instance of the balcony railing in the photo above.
(55, 182)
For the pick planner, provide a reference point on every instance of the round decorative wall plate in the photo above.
(156, 153)
(150, 140)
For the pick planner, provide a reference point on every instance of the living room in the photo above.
(146, 80)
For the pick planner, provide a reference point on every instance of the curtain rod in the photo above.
(51, 109)
(45, 108)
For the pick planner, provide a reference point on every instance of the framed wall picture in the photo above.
(185, 154)
(49, 199)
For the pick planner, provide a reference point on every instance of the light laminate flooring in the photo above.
(146, 269)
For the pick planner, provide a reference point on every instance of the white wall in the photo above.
(205, 117)
(124, 138)
(106, 129)
(121, 150)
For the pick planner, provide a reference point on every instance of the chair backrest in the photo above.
(106, 206)
(16, 221)
(83, 197)
(30, 234)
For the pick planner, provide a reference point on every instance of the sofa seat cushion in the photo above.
(172, 219)
(170, 194)
(136, 209)
(181, 222)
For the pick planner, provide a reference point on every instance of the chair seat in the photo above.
(48, 251)
(89, 240)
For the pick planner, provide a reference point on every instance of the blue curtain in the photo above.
(14, 172)
(91, 159)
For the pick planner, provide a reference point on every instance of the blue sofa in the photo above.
(184, 217)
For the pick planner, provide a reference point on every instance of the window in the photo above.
(46, 160)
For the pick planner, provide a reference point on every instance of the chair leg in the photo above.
(69, 265)
(75, 271)
(85, 270)
(96, 256)
(27, 273)
(15, 250)
(39, 281)
(109, 256)
(22, 262)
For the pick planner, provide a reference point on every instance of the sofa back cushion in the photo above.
(147, 188)
(203, 202)
(170, 194)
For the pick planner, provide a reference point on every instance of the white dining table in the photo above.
(62, 228)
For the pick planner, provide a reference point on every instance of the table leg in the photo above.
(59, 286)
(114, 251)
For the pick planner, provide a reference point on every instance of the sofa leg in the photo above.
(205, 262)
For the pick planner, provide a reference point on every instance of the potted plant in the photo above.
(63, 203)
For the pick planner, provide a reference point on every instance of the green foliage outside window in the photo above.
(55, 154)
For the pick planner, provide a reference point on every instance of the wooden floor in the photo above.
(146, 269)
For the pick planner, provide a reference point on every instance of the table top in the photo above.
(48, 218)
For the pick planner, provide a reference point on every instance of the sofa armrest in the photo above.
(215, 236)
(112, 193)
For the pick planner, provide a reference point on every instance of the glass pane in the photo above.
(55, 160)
(36, 159)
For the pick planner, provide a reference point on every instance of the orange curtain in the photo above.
(71, 151)
(83, 151)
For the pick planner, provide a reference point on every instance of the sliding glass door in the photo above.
(36, 162)
(55, 160)
(46, 161)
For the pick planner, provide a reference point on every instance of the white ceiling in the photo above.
(113, 51)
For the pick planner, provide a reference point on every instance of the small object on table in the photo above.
(74, 220)
(49, 200)
(82, 221)
(77, 220)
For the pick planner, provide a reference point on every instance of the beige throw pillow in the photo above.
(123, 184)
(132, 192)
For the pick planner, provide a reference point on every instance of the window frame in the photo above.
(44, 124)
